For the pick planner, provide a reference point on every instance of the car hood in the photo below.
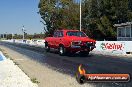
(75, 38)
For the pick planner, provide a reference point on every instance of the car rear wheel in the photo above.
(47, 48)
(61, 50)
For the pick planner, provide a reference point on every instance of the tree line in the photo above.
(26, 36)
(98, 16)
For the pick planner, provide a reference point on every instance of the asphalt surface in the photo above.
(94, 63)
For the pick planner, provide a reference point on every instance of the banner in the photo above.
(115, 47)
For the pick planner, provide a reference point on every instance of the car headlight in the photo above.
(76, 42)
(91, 43)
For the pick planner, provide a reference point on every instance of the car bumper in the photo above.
(81, 48)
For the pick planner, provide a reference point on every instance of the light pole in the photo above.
(12, 36)
(3, 36)
(23, 31)
(6, 34)
(80, 14)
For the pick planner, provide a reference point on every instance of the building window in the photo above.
(131, 31)
(128, 31)
(121, 32)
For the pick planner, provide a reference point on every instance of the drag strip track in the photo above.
(68, 65)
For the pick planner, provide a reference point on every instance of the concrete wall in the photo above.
(114, 47)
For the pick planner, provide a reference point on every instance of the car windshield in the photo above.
(76, 33)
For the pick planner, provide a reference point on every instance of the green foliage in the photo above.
(34, 80)
(59, 14)
(27, 36)
(101, 15)
(98, 16)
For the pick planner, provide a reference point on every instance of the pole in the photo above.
(80, 14)
(23, 32)
(6, 35)
(3, 36)
(12, 36)
(23, 35)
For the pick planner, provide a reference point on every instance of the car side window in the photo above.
(60, 34)
(55, 34)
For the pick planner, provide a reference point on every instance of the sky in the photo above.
(17, 13)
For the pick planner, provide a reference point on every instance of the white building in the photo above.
(124, 31)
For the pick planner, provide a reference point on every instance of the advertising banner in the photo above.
(116, 47)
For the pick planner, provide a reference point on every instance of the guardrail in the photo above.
(115, 47)
(112, 47)
(28, 42)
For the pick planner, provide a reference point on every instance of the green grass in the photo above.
(34, 80)
(1, 50)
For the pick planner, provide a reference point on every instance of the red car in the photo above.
(70, 41)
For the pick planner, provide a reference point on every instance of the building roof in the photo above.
(122, 24)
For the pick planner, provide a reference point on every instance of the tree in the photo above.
(101, 15)
(98, 16)
(59, 14)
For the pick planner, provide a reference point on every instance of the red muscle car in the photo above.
(70, 41)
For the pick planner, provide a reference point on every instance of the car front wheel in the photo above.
(61, 50)
(47, 48)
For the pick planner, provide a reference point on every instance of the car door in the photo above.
(53, 40)
(59, 38)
